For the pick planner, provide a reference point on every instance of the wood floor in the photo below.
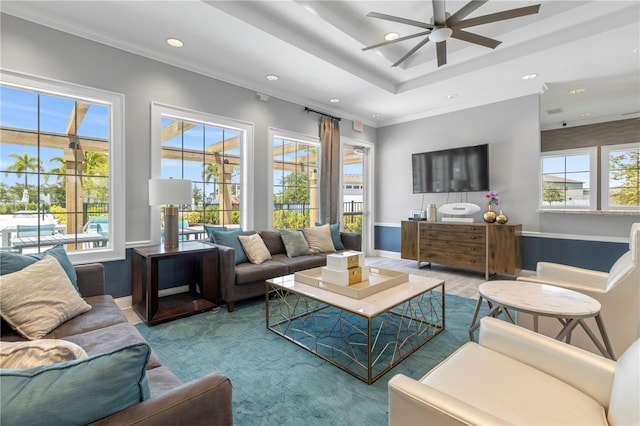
(460, 282)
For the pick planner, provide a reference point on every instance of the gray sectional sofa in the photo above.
(105, 329)
(246, 280)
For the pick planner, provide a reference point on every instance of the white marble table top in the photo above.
(540, 299)
(370, 306)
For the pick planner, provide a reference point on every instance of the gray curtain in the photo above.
(330, 169)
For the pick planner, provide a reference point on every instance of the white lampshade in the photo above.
(165, 192)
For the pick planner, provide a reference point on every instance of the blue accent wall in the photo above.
(596, 255)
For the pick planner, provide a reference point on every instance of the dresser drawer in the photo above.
(461, 260)
(476, 247)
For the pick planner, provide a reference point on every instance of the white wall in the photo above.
(512, 130)
(41, 51)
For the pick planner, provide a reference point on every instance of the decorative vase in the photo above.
(502, 218)
(489, 216)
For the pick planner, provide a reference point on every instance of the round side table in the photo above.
(567, 306)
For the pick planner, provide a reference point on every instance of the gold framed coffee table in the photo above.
(365, 337)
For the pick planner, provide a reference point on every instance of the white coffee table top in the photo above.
(540, 299)
(369, 306)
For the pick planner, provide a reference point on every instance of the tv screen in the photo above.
(451, 170)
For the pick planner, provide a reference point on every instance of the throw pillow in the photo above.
(38, 298)
(75, 392)
(335, 236)
(209, 228)
(319, 239)
(36, 353)
(294, 243)
(230, 239)
(254, 248)
(13, 262)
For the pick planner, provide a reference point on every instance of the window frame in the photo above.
(158, 110)
(115, 101)
(593, 177)
(604, 175)
(294, 136)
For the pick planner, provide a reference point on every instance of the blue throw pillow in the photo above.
(335, 236)
(230, 239)
(75, 392)
(209, 228)
(14, 262)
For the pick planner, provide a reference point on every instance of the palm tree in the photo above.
(23, 164)
(95, 163)
(211, 173)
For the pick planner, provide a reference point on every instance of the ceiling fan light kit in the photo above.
(444, 26)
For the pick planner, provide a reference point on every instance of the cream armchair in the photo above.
(516, 376)
(617, 291)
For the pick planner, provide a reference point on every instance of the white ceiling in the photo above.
(315, 47)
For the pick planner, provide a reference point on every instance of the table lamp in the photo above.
(170, 193)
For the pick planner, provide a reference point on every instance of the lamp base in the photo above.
(171, 227)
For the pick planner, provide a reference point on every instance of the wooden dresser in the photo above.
(492, 248)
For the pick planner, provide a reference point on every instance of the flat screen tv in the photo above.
(451, 170)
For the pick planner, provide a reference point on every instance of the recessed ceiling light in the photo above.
(636, 50)
(577, 91)
(391, 36)
(174, 42)
(585, 114)
(452, 96)
(272, 77)
(530, 76)
(334, 100)
(375, 115)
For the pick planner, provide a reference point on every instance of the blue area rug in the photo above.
(275, 382)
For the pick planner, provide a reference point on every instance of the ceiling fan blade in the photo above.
(475, 38)
(439, 12)
(384, 43)
(441, 50)
(411, 52)
(466, 10)
(400, 20)
(498, 16)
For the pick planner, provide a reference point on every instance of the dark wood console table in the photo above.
(202, 260)
(492, 248)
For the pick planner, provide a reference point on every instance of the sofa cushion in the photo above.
(104, 312)
(319, 239)
(13, 262)
(249, 273)
(300, 263)
(230, 239)
(75, 392)
(109, 339)
(35, 353)
(162, 380)
(294, 243)
(38, 298)
(254, 248)
(273, 241)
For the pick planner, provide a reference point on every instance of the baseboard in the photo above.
(389, 254)
(126, 301)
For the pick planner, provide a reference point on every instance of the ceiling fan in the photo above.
(445, 26)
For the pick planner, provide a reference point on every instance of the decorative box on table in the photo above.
(345, 268)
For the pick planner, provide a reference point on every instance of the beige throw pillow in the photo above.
(36, 353)
(319, 239)
(38, 298)
(255, 248)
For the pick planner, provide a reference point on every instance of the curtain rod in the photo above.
(307, 109)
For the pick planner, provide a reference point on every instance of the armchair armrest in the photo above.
(413, 402)
(90, 279)
(570, 277)
(587, 372)
(204, 401)
(351, 241)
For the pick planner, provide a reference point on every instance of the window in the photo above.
(210, 151)
(621, 177)
(61, 158)
(569, 179)
(295, 180)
